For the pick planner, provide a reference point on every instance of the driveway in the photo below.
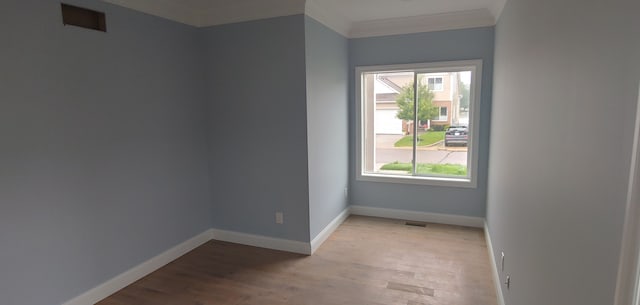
(387, 140)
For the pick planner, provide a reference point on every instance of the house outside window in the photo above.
(442, 114)
(401, 123)
(435, 83)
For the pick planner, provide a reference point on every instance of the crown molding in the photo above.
(200, 13)
(496, 10)
(203, 14)
(249, 10)
(162, 8)
(329, 18)
(424, 23)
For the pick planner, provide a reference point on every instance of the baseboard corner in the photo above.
(128, 277)
(262, 241)
(317, 241)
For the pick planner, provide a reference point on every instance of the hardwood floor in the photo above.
(367, 260)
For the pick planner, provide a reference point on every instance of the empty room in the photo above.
(319, 152)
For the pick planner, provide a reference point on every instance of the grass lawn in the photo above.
(426, 138)
(427, 168)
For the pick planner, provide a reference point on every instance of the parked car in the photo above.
(456, 135)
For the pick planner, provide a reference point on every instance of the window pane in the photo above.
(389, 136)
(443, 125)
(435, 83)
(388, 99)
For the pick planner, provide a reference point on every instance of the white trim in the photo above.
(128, 277)
(330, 19)
(497, 9)
(246, 10)
(459, 220)
(328, 230)
(474, 123)
(418, 180)
(627, 288)
(263, 241)
(204, 15)
(171, 10)
(494, 267)
(424, 23)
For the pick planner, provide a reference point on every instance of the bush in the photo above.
(439, 127)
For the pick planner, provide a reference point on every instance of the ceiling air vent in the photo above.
(82, 17)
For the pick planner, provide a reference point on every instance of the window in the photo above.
(405, 135)
(442, 114)
(435, 84)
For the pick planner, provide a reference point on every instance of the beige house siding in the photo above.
(448, 97)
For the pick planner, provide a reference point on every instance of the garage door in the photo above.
(387, 123)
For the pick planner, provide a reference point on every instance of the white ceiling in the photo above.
(352, 18)
(365, 10)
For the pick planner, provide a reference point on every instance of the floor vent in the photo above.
(415, 224)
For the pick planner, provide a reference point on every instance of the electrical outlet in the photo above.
(502, 262)
(279, 218)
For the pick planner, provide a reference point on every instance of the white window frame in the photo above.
(446, 118)
(434, 83)
(471, 181)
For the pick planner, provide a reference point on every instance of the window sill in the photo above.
(417, 180)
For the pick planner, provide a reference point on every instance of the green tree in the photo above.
(464, 92)
(426, 110)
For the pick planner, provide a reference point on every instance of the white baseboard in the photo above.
(329, 229)
(263, 241)
(128, 277)
(494, 267)
(467, 221)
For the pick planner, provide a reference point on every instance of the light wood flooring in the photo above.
(367, 260)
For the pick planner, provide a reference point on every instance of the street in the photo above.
(387, 153)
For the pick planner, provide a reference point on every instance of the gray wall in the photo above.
(258, 126)
(566, 84)
(414, 48)
(102, 150)
(327, 123)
